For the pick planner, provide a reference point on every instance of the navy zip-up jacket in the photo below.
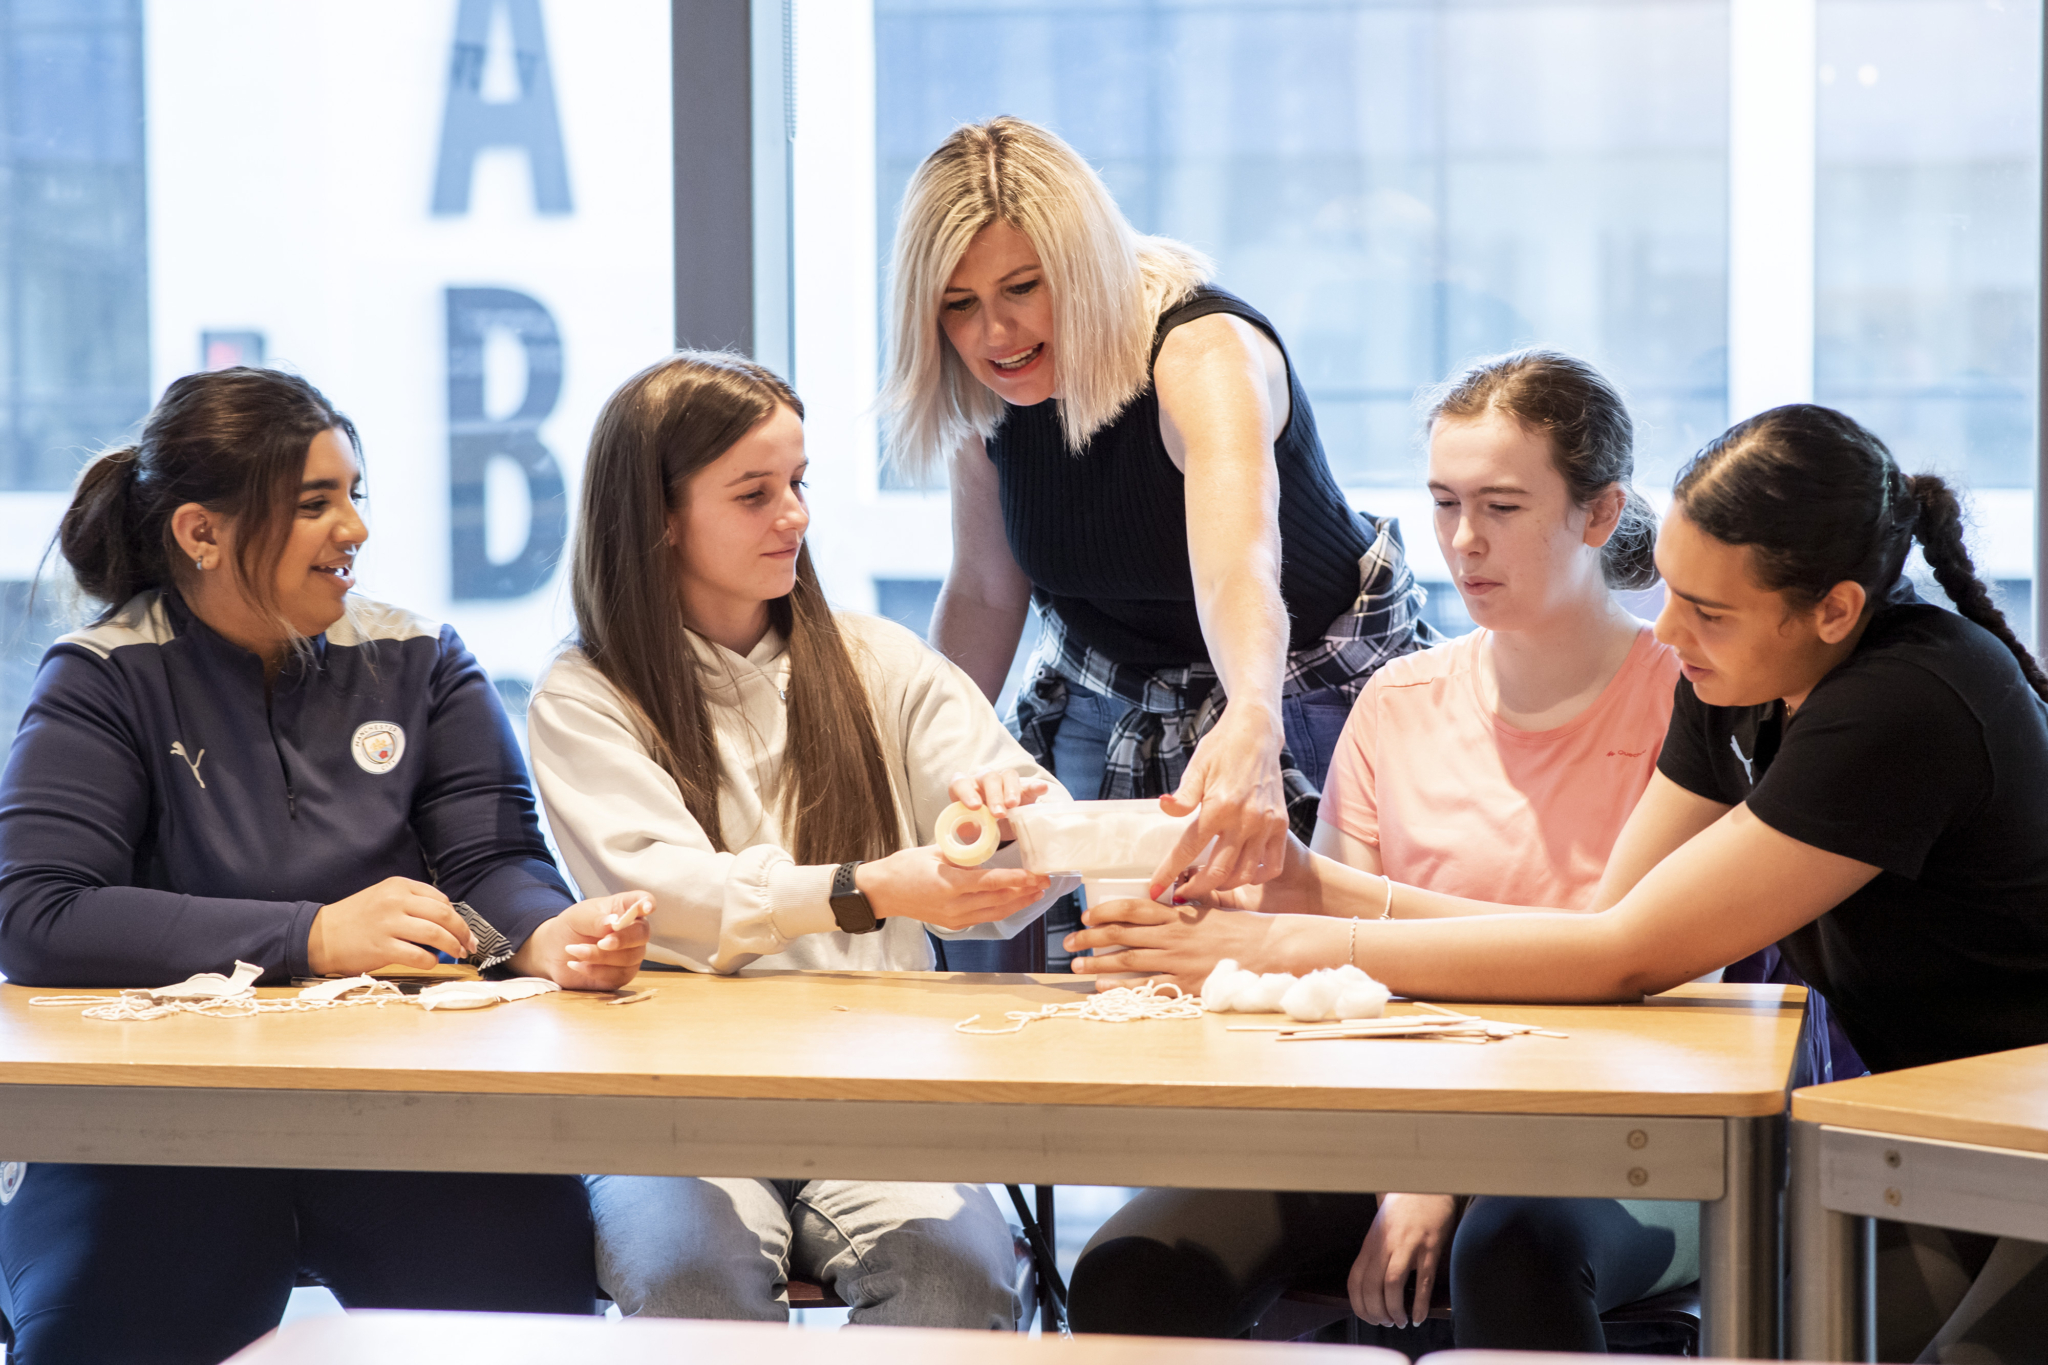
(159, 816)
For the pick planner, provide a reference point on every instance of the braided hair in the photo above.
(1820, 501)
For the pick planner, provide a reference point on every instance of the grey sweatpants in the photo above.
(901, 1255)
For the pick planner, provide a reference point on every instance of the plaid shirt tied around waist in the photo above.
(1170, 709)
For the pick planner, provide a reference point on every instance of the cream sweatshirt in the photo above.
(620, 821)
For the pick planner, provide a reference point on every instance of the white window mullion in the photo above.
(1770, 204)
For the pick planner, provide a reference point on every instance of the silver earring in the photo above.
(199, 562)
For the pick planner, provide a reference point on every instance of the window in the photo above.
(452, 216)
(1724, 203)
(1927, 260)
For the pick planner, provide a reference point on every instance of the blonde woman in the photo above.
(1129, 447)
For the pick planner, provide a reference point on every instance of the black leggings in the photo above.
(160, 1265)
(1528, 1274)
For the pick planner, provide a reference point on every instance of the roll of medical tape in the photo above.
(966, 855)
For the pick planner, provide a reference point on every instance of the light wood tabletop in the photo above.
(1710, 1051)
(2000, 1100)
(506, 1339)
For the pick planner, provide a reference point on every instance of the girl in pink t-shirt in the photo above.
(1501, 767)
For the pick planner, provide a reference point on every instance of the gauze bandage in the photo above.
(1100, 840)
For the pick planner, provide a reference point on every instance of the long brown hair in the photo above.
(661, 427)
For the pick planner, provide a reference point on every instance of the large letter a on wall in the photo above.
(471, 123)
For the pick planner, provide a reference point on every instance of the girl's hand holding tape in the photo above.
(919, 884)
(945, 885)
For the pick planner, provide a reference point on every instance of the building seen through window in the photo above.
(1403, 188)
(469, 261)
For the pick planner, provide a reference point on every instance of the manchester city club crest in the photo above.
(377, 746)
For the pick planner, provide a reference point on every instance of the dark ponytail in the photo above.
(234, 441)
(1592, 441)
(1820, 501)
(1939, 529)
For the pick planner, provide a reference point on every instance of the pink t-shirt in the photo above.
(1460, 802)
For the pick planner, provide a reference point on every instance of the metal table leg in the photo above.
(1740, 1298)
(1829, 1316)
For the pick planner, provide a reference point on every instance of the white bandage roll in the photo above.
(966, 855)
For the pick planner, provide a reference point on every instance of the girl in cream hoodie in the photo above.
(771, 771)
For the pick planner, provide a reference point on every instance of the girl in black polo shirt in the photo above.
(1851, 773)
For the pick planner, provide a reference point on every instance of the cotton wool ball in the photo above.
(1359, 996)
(1219, 991)
(1264, 995)
(1310, 998)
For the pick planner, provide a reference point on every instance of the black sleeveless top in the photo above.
(1103, 534)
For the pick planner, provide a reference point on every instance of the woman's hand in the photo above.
(1233, 780)
(919, 884)
(1296, 887)
(397, 922)
(594, 945)
(1409, 1233)
(1177, 943)
(1001, 790)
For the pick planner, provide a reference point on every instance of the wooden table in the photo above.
(1959, 1145)
(1681, 1097)
(503, 1339)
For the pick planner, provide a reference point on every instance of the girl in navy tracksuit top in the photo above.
(239, 761)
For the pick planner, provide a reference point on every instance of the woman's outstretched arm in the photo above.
(1728, 891)
(1219, 415)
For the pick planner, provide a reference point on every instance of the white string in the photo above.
(139, 1006)
(230, 1002)
(1118, 1005)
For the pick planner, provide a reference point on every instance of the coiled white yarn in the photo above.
(1331, 993)
(1119, 1005)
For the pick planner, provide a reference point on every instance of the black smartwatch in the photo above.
(850, 904)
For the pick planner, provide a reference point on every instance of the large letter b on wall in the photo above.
(475, 439)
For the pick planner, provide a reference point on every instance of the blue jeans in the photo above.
(1311, 722)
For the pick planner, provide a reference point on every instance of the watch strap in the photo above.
(850, 904)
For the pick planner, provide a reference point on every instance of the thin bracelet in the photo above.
(1351, 953)
(1387, 912)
